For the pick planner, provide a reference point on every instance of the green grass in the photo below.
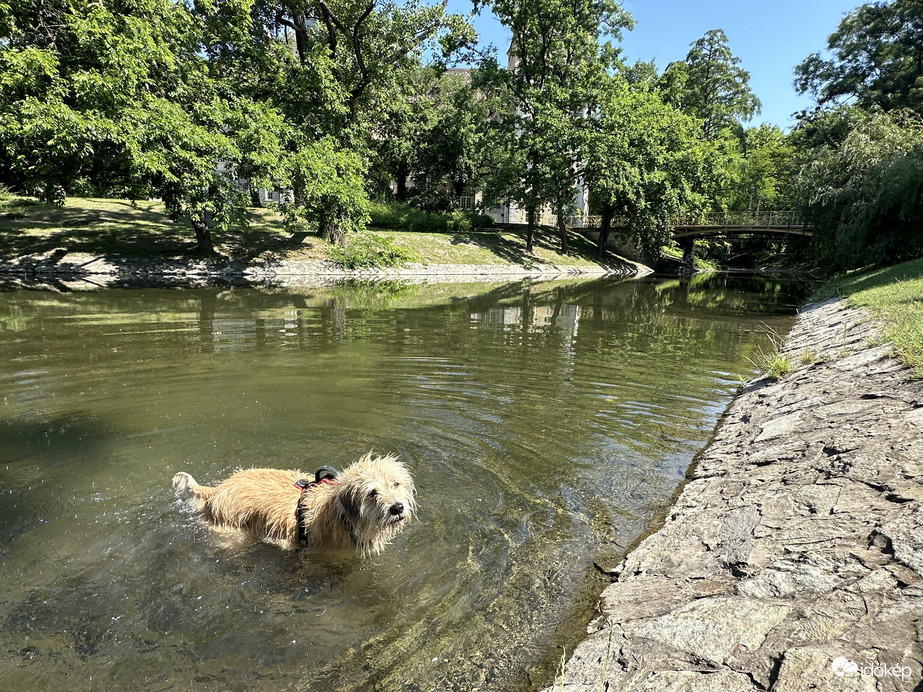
(124, 229)
(373, 251)
(894, 295)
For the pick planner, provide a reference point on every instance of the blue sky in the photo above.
(770, 38)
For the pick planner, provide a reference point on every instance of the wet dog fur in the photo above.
(370, 503)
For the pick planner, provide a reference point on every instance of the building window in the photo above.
(465, 202)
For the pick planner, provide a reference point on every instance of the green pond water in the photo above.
(545, 426)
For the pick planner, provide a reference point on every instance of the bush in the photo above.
(403, 217)
(369, 251)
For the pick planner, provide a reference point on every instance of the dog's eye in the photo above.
(373, 494)
(397, 485)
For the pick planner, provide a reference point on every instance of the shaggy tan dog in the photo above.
(362, 509)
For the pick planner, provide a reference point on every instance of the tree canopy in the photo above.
(876, 57)
(202, 102)
(710, 85)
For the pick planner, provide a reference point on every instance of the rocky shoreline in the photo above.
(77, 270)
(792, 558)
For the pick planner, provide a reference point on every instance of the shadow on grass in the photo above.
(118, 229)
(112, 229)
(513, 250)
(850, 284)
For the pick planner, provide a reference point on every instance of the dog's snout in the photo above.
(397, 508)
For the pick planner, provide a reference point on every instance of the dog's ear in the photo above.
(350, 506)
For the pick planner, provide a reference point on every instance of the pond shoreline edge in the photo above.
(73, 271)
(792, 557)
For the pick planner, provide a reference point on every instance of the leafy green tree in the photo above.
(865, 197)
(116, 98)
(710, 85)
(349, 74)
(365, 45)
(764, 170)
(328, 189)
(460, 148)
(876, 57)
(556, 68)
(647, 164)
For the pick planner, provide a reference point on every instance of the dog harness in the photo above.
(326, 475)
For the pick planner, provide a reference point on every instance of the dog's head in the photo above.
(375, 500)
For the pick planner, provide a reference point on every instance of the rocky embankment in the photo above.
(72, 270)
(792, 559)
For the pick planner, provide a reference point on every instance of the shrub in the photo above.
(370, 251)
(403, 217)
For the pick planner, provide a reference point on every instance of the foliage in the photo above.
(710, 85)
(327, 188)
(182, 100)
(876, 58)
(646, 163)
(866, 201)
(764, 171)
(403, 217)
(860, 150)
(459, 147)
(371, 251)
(556, 66)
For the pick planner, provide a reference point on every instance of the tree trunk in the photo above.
(530, 229)
(401, 181)
(330, 228)
(301, 36)
(605, 222)
(203, 235)
(255, 197)
(562, 231)
(688, 247)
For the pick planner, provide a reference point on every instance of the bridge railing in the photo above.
(762, 219)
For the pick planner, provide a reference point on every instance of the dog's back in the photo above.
(262, 502)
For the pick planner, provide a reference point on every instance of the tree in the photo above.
(866, 192)
(555, 69)
(349, 76)
(647, 164)
(765, 169)
(364, 43)
(116, 98)
(460, 147)
(181, 100)
(710, 85)
(876, 57)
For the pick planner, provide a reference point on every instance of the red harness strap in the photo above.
(325, 475)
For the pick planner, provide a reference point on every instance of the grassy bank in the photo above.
(893, 294)
(119, 228)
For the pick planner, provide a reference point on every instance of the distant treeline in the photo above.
(334, 103)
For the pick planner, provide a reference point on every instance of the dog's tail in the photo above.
(183, 482)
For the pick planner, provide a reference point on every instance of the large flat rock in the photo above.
(793, 557)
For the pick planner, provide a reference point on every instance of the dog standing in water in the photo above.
(360, 509)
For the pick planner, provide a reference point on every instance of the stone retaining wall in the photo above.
(71, 269)
(793, 557)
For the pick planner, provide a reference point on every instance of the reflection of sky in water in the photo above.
(540, 426)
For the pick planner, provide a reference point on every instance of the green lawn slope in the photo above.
(125, 229)
(894, 295)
